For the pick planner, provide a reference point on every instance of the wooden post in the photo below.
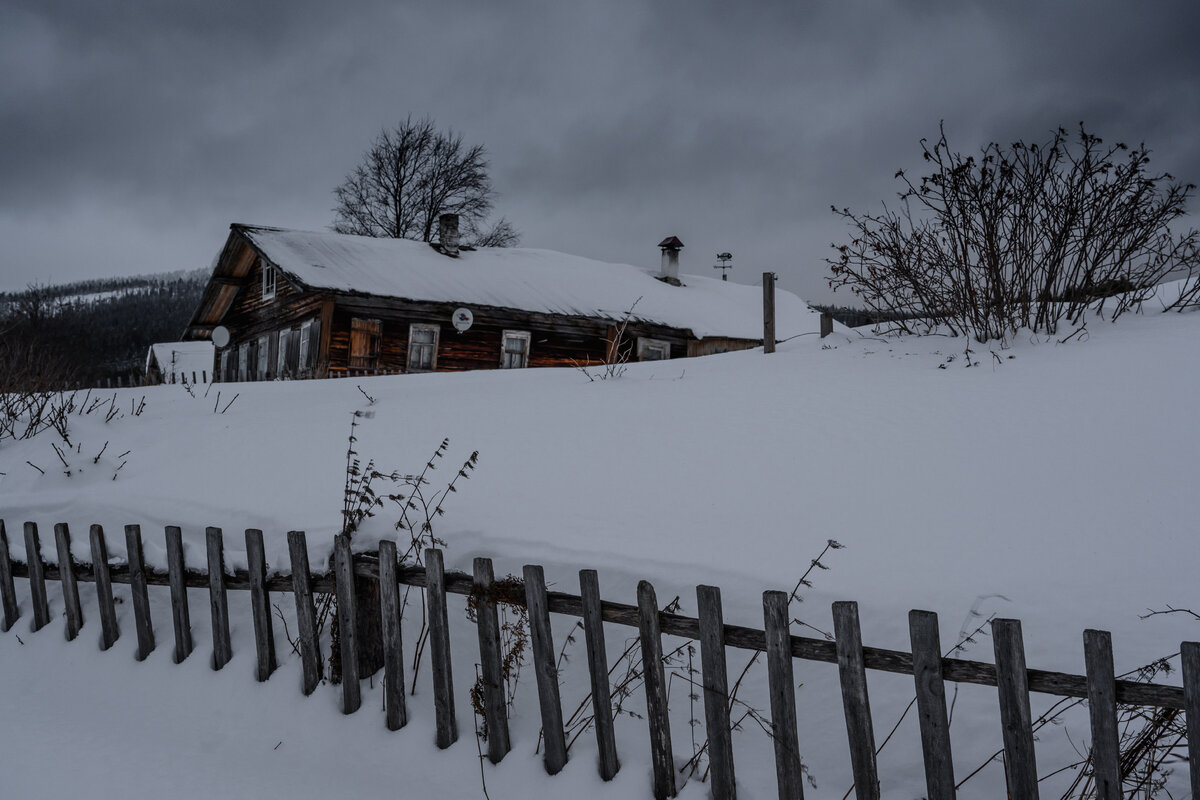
(661, 756)
(8, 591)
(180, 615)
(1102, 708)
(826, 324)
(931, 704)
(343, 572)
(545, 669)
(593, 631)
(137, 590)
(306, 613)
(439, 649)
(218, 602)
(855, 701)
(109, 632)
(1012, 684)
(70, 586)
(788, 772)
(768, 312)
(260, 604)
(393, 649)
(37, 577)
(1189, 656)
(490, 658)
(716, 692)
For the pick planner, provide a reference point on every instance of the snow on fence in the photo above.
(925, 663)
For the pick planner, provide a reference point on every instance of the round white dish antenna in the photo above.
(220, 336)
(462, 319)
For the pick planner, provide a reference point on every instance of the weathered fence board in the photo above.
(593, 632)
(306, 612)
(180, 615)
(931, 704)
(141, 597)
(1015, 716)
(490, 661)
(1102, 708)
(1189, 655)
(66, 576)
(545, 669)
(347, 618)
(218, 600)
(857, 705)
(109, 632)
(655, 684)
(8, 590)
(716, 692)
(781, 681)
(439, 649)
(260, 605)
(393, 649)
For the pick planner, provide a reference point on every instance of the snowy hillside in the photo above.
(1054, 483)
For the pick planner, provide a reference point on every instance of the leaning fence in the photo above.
(929, 668)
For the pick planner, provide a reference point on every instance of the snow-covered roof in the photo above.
(182, 358)
(527, 279)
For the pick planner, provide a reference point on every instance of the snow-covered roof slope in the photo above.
(521, 278)
(182, 358)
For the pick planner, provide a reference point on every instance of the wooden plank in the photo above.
(593, 632)
(343, 569)
(260, 605)
(931, 704)
(768, 312)
(716, 692)
(439, 649)
(141, 598)
(545, 668)
(1015, 716)
(661, 755)
(855, 701)
(180, 615)
(109, 632)
(1189, 656)
(490, 660)
(218, 601)
(1102, 708)
(781, 680)
(8, 590)
(37, 577)
(66, 576)
(393, 647)
(306, 612)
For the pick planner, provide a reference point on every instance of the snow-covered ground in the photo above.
(1049, 482)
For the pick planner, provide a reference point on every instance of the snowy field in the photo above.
(1049, 482)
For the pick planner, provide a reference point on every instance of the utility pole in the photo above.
(768, 312)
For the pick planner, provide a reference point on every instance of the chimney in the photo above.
(448, 234)
(669, 273)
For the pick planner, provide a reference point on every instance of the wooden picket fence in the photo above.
(925, 663)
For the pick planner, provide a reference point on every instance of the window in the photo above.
(305, 335)
(366, 335)
(243, 361)
(422, 348)
(653, 349)
(264, 357)
(514, 354)
(269, 279)
(281, 364)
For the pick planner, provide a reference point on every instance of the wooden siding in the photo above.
(711, 345)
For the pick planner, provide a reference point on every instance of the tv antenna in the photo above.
(724, 258)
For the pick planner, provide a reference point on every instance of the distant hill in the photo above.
(90, 331)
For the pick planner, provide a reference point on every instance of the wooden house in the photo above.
(302, 304)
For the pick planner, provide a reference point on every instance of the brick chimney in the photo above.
(669, 272)
(448, 234)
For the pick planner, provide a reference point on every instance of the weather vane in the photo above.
(724, 258)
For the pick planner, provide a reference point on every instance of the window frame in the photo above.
(263, 357)
(303, 355)
(437, 334)
(523, 336)
(270, 281)
(645, 343)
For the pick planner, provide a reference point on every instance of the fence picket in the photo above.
(781, 680)
(181, 617)
(545, 669)
(260, 604)
(661, 756)
(1102, 708)
(490, 660)
(66, 575)
(137, 585)
(716, 692)
(1012, 684)
(931, 704)
(218, 600)
(306, 612)
(857, 704)
(347, 612)
(593, 632)
(439, 649)
(393, 649)
(1189, 656)
(37, 577)
(8, 590)
(109, 632)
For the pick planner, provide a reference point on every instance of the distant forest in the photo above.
(85, 333)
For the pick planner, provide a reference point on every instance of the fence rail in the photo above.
(930, 669)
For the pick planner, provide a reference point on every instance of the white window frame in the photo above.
(504, 352)
(413, 328)
(302, 360)
(281, 355)
(264, 356)
(645, 344)
(270, 281)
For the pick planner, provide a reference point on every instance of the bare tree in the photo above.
(410, 176)
(1024, 236)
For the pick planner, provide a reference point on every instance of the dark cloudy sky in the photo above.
(133, 133)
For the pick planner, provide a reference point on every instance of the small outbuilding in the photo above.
(180, 362)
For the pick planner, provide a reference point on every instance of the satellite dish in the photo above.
(462, 319)
(220, 336)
